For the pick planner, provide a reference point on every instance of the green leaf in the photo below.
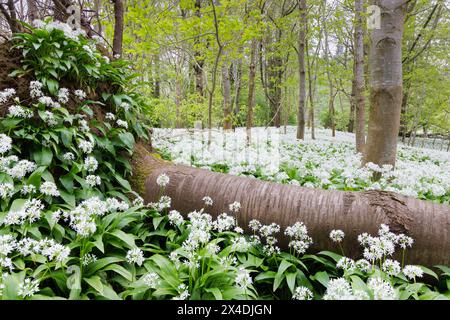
(96, 283)
(67, 182)
(322, 277)
(128, 239)
(68, 198)
(120, 270)
(101, 263)
(284, 265)
(290, 279)
(216, 292)
(429, 272)
(124, 183)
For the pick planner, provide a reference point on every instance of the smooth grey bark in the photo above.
(359, 78)
(301, 70)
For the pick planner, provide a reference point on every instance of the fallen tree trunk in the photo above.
(321, 210)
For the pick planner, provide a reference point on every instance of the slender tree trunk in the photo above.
(199, 61)
(359, 78)
(321, 210)
(311, 83)
(385, 84)
(251, 88)
(330, 84)
(178, 101)
(118, 28)
(351, 121)
(226, 87)
(301, 71)
(235, 104)
(97, 8)
(60, 10)
(33, 12)
(13, 22)
(157, 77)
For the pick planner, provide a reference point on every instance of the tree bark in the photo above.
(359, 78)
(251, 88)
(321, 210)
(385, 83)
(198, 59)
(301, 71)
(33, 12)
(226, 87)
(118, 28)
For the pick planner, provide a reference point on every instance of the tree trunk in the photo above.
(351, 120)
(311, 84)
(321, 210)
(118, 28)
(157, 77)
(251, 88)
(198, 59)
(386, 84)
(33, 12)
(359, 78)
(301, 71)
(226, 87)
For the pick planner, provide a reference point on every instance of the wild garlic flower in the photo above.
(183, 292)
(228, 261)
(243, 280)
(151, 280)
(162, 180)
(269, 230)
(126, 106)
(240, 244)
(88, 259)
(63, 95)
(53, 250)
(224, 222)
(84, 126)
(138, 201)
(80, 94)
(346, 264)
(338, 289)
(412, 272)
(68, 156)
(391, 267)
(49, 189)
(404, 241)
(5, 143)
(382, 290)
(6, 263)
(82, 218)
(30, 212)
(299, 246)
(208, 201)
(235, 207)
(28, 287)
(302, 293)
(337, 235)
(6, 190)
(110, 116)
(254, 225)
(28, 189)
(116, 205)
(363, 265)
(7, 244)
(122, 123)
(20, 169)
(6, 94)
(35, 89)
(19, 112)
(93, 180)
(90, 164)
(175, 218)
(135, 256)
(86, 146)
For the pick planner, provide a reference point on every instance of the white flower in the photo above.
(30, 212)
(86, 146)
(5, 143)
(28, 189)
(208, 201)
(6, 190)
(337, 235)
(6, 94)
(90, 164)
(235, 206)
(302, 293)
(139, 201)
(93, 180)
(88, 259)
(7, 244)
(162, 180)
(346, 264)
(110, 116)
(135, 256)
(254, 225)
(122, 123)
(126, 106)
(363, 265)
(68, 156)
(151, 280)
(63, 95)
(300, 246)
(175, 218)
(224, 222)
(240, 244)
(49, 188)
(404, 241)
(20, 169)
(84, 127)
(28, 287)
(19, 112)
(243, 279)
(381, 289)
(338, 289)
(35, 89)
(80, 94)
(115, 205)
(413, 272)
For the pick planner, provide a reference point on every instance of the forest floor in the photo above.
(326, 162)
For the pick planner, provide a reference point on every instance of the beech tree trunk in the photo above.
(33, 12)
(198, 59)
(301, 71)
(118, 27)
(251, 88)
(226, 87)
(385, 83)
(321, 210)
(359, 78)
